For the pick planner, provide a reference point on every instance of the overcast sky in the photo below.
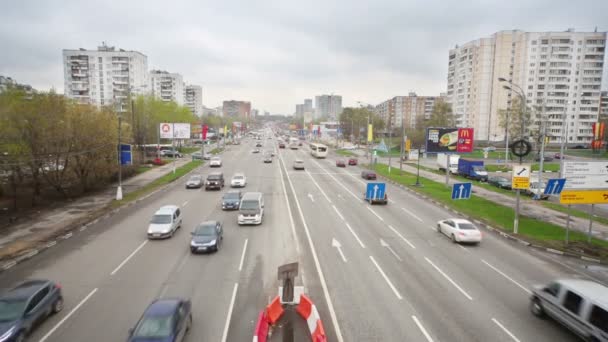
(276, 53)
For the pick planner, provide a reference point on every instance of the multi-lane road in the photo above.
(376, 273)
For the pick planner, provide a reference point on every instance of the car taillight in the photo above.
(57, 286)
(462, 234)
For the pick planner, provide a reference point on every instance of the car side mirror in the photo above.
(191, 233)
(131, 331)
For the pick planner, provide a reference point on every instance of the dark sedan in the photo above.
(165, 320)
(340, 163)
(231, 200)
(26, 306)
(207, 236)
(500, 182)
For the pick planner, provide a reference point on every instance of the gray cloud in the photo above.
(275, 53)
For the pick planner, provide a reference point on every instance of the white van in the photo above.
(579, 305)
(165, 222)
(251, 209)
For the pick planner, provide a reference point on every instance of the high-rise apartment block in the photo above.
(304, 109)
(106, 76)
(328, 106)
(407, 109)
(167, 86)
(234, 108)
(193, 99)
(560, 73)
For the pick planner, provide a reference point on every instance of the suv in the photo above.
(215, 180)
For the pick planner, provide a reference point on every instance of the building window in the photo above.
(100, 60)
(534, 42)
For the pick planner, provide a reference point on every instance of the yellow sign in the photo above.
(408, 145)
(521, 176)
(583, 197)
(370, 135)
(520, 183)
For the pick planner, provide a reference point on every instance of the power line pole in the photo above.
(119, 190)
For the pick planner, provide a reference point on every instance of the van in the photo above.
(165, 222)
(579, 305)
(251, 209)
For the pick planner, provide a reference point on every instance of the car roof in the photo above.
(162, 307)
(233, 191)
(594, 291)
(238, 174)
(215, 157)
(209, 223)
(251, 195)
(458, 220)
(167, 209)
(299, 161)
(216, 173)
(26, 288)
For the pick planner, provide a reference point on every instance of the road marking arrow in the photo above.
(336, 243)
(460, 189)
(311, 198)
(384, 244)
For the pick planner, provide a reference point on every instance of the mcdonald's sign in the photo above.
(465, 140)
(449, 140)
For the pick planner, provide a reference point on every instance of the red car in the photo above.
(366, 174)
(340, 163)
(352, 161)
(281, 145)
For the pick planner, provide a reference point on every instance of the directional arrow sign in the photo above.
(311, 198)
(555, 186)
(586, 174)
(386, 245)
(375, 191)
(336, 243)
(461, 191)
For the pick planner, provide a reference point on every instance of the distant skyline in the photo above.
(273, 53)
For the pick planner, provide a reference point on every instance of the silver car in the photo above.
(165, 222)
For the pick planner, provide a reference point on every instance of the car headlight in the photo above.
(7, 334)
(211, 243)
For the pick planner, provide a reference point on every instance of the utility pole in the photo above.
(119, 190)
(390, 134)
(563, 139)
(542, 133)
(507, 136)
(402, 146)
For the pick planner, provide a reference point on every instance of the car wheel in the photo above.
(537, 308)
(454, 238)
(58, 305)
(439, 228)
(20, 337)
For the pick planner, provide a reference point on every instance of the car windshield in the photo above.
(215, 159)
(11, 309)
(205, 230)
(231, 195)
(155, 327)
(195, 178)
(161, 219)
(238, 177)
(213, 177)
(466, 226)
(251, 204)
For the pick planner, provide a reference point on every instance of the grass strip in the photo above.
(346, 153)
(216, 150)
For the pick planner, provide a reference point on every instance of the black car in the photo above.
(500, 182)
(258, 145)
(207, 236)
(27, 306)
(231, 200)
(165, 320)
(215, 180)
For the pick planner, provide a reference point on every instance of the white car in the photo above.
(165, 222)
(537, 191)
(238, 180)
(459, 230)
(215, 162)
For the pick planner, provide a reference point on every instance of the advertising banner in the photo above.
(370, 135)
(449, 140)
(166, 130)
(181, 131)
(465, 140)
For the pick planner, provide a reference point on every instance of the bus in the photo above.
(318, 150)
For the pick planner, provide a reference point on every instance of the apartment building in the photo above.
(167, 86)
(237, 109)
(407, 109)
(304, 109)
(106, 76)
(193, 99)
(560, 73)
(328, 106)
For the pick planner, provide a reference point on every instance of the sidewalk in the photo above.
(36, 229)
(528, 207)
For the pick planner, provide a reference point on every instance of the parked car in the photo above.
(27, 305)
(545, 158)
(352, 161)
(579, 305)
(500, 182)
(195, 181)
(298, 164)
(198, 155)
(207, 236)
(215, 162)
(536, 189)
(238, 180)
(165, 222)
(369, 175)
(459, 230)
(579, 147)
(559, 156)
(215, 180)
(281, 145)
(340, 163)
(165, 320)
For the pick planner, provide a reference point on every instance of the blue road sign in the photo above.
(461, 191)
(555, 186)
(375, 191)
(126, 154)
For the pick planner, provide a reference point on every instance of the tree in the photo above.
(516, 119)
(442, 116)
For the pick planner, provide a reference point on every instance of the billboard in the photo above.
(174, 130)
(449, 140)
(166, 130)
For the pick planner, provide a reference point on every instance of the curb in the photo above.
(492, 229)
(28, 254)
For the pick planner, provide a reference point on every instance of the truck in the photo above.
(442, 159)
(472, 169)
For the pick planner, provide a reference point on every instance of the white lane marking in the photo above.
(449, 279)
(330, 305)
(48, 334)
(318, 187)
(336, 180)
(373, 212)
(506, 276)
(355, 235)
(312, 198)
(338, 212)
(338, 245)
(386, 278)
(293, 225)
(184, 204)
(401, 236)
(129, 257)
(51, 244)
(229, 316)
(461, 247)
(385, 244)
(68, 235)
(505, 330)
(421, 327)
(243, 255)
(412, 214)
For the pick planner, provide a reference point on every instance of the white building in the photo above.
(559, 71)
(329, 106)
(167, 86)
(106, 76)
(194, 99)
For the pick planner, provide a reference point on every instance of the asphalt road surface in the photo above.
(376, 273)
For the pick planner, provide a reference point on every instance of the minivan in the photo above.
(579, 305)
(251, 210)
(165, 222)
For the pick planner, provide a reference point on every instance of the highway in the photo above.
(376, 273)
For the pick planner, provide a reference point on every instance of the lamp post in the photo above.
(119, 189)
(418, 169)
